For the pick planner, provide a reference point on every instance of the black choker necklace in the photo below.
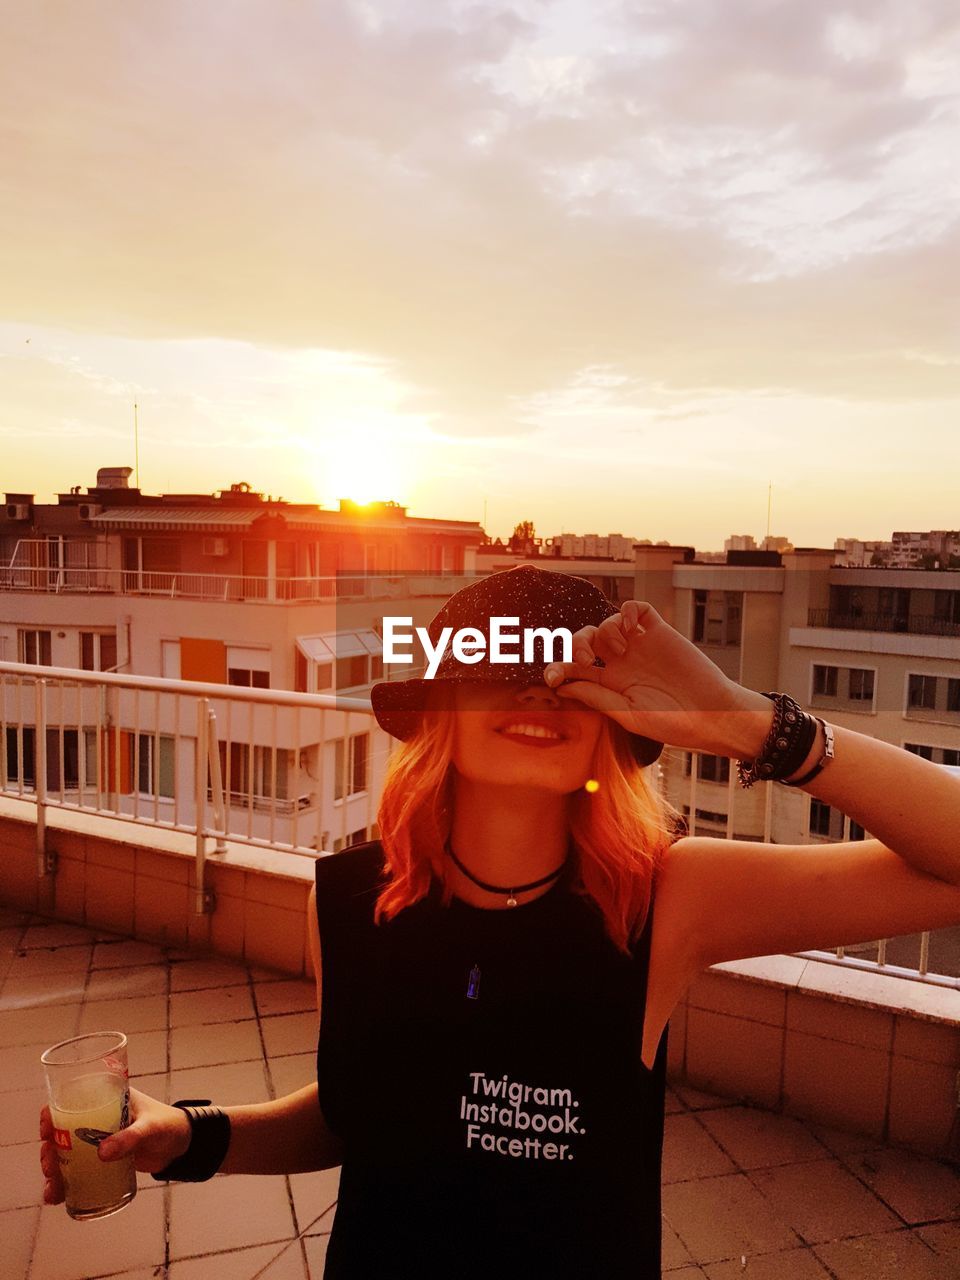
(498, 888)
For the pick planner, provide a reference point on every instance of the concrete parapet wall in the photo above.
(114, 882)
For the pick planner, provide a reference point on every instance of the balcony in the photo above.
(812, 1109)
(889, 623)
(231, 588)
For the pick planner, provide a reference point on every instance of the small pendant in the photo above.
(473, 984)
(511, 900)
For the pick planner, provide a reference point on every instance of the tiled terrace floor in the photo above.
(746, 1192)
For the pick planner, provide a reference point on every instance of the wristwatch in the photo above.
(209, 1140)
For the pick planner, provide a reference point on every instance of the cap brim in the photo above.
(399, 704)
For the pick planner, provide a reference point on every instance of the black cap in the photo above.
(539, 598)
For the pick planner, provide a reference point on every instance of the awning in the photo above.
(177, 518)
(339, 644)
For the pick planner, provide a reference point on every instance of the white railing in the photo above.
(288, 771)
(295, 772)
(34, 569)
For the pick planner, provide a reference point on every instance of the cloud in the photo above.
(723, 194)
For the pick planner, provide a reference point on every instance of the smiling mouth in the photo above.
(532, 734)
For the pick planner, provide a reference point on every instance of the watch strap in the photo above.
(824, 759)
(209, 1140)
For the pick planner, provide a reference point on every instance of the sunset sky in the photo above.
(605, 266)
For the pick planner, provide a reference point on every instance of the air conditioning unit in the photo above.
(87, 510)
(18, 511)
(215, 546)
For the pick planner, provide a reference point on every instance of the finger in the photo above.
(49, 1161)
(53, 1192)
(46, 1123)
(122, 1143)
(610, 633)
(597, 696)
(631, 611)
(582, 643)
(555, 673)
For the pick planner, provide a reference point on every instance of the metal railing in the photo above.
(64, 580)
(922, 624)
(52, 566)
(271, 768)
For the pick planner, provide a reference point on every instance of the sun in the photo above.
(366, 467)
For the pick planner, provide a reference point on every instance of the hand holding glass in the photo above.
(88, 1088)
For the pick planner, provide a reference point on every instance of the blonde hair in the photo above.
(619, 831)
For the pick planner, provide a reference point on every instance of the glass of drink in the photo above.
(89, 1092)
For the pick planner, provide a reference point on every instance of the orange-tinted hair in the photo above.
(619, 831)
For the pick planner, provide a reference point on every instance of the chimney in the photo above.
(113, 477)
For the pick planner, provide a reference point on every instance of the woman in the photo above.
(499, 969)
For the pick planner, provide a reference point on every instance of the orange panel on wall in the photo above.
(203, 660)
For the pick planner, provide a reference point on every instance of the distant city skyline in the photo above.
(600, 268)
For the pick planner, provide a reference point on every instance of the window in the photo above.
(252, 771)
(248, 679)
(63, 759)
(922, 691)
(350, 765)
(939, 755)
(717, 617)
(824, 681)
(155, 768)
(355, 837)
(824, 820)
(160, 555)
(98, 650)
(861, 684)
(347, 659)
(709, 768)
(299, 671)
(21, 756)
(699, 615)
(946, 607)
(34, 646)
(707, 815)
(248, 667)
(856, 831)
(352, 671)
(953, 695)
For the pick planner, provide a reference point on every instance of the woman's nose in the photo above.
(538, 694)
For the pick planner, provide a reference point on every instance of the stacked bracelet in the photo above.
(787, 745)
(209, 1140)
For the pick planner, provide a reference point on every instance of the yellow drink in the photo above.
(89, 1108)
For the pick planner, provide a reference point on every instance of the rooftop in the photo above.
(746, 1191)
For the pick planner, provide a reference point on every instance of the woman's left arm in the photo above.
(741, 898)
(909, 804)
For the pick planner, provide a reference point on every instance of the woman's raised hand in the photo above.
(155, 1135)
(657, 683)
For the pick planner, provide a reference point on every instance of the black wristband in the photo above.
(209, 1140)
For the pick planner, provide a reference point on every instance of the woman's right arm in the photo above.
(288, 1135)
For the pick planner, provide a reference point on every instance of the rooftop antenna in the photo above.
(136, 444)
(769, 492)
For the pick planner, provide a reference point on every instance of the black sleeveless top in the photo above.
(482, 1068)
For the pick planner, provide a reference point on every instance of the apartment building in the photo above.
(876, 650)
(225, 589)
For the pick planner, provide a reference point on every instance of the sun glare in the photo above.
(367, 467)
